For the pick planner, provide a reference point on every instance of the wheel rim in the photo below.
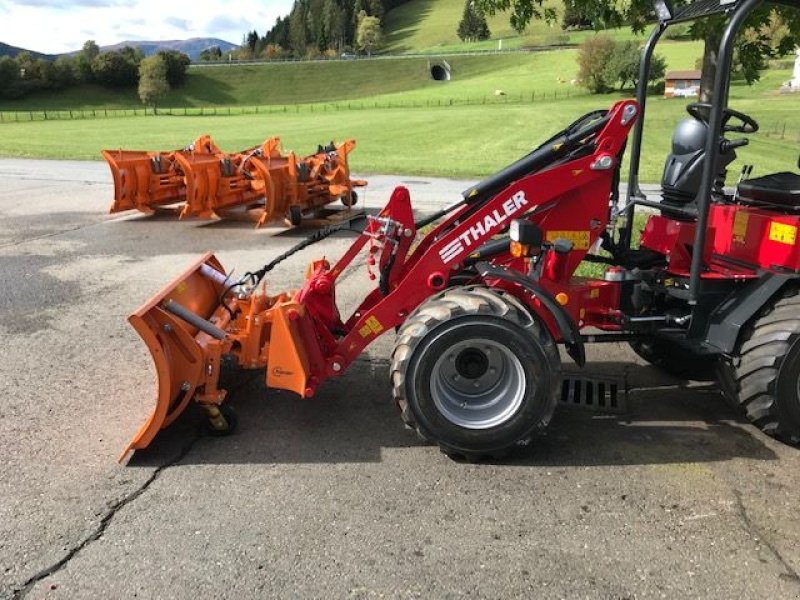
(478, 384)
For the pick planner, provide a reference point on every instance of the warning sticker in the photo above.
(371, 326)
(579, 238)
(740, 222)
(782, 233)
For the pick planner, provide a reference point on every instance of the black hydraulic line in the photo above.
(638, 133)
(522, 167)
(315, 237)
(533, 161)
(712, 150)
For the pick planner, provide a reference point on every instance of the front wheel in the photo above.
(473, 372)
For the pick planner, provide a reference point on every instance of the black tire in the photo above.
(675, 360)
(762, 378)
(457, 319)
(231, 422)
(295, 216)
(350, 200)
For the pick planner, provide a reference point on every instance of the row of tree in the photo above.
(318, 28)
(25, 74)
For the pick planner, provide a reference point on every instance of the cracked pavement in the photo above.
(332, 497)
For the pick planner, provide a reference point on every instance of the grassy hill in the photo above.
(429, 26)
(399, 80)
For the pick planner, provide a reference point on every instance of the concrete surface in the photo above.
(332, 497)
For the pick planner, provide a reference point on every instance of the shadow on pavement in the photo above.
(353, 419)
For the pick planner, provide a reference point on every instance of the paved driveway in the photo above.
(331, 497)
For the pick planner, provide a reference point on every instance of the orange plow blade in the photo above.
(196, 320)
(145, 181)
(175, 327)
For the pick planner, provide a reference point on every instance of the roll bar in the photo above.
(740, 10)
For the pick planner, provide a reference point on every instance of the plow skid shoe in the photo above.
(174, 325)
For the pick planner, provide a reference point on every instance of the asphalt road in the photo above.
(331, 497)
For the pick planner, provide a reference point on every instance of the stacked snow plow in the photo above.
(261, 182)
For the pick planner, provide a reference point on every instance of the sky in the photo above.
(53, 27)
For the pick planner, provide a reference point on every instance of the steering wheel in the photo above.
(702, 112)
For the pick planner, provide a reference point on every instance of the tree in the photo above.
(252, 40)
(117, 69)
(211, 54)
(298, 39)
(623, 66)
(153, 84)
(84, 59)
(177, 65)
(369, 34)
(473, 25)
(593, 57)
(574, 18)
(65, 72)
(9, 77)
(333, 19)
(637, 13)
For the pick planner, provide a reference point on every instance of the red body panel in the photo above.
(741, 241)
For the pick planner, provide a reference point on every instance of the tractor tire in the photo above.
(675, 360)
(475, 373)
(763, 378)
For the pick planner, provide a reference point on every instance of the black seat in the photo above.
(781, 189)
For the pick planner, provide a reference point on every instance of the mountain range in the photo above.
(192, 47)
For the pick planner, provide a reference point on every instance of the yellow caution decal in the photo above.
(579, 238)
(740, 222)
(782, 233)
(371, 326)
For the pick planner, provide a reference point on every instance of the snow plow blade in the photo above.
(174, 325)
(195, 321)
(145, 181)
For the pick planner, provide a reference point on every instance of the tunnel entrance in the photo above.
(440, 71)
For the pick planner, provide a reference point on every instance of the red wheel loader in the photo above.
(483, 299)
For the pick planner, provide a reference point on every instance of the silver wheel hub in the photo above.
(478, 384)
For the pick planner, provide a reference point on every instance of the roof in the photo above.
(693, 74)
(702, 8)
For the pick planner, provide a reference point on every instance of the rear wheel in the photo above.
(763, 379)
(473, 372)
(674, 359)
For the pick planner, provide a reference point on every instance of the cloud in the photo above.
(61, 5)
(226, 23)
(178, 23)
(53, 26)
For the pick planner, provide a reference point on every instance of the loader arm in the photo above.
(300, 337)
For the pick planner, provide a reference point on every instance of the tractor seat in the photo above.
(782, 189)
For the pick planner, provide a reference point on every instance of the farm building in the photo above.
(682, 84)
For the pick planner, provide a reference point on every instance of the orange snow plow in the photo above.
(146, 181)
(261, 181)
(192, 323)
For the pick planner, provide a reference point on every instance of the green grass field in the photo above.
(422, 133)
(458, 141)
